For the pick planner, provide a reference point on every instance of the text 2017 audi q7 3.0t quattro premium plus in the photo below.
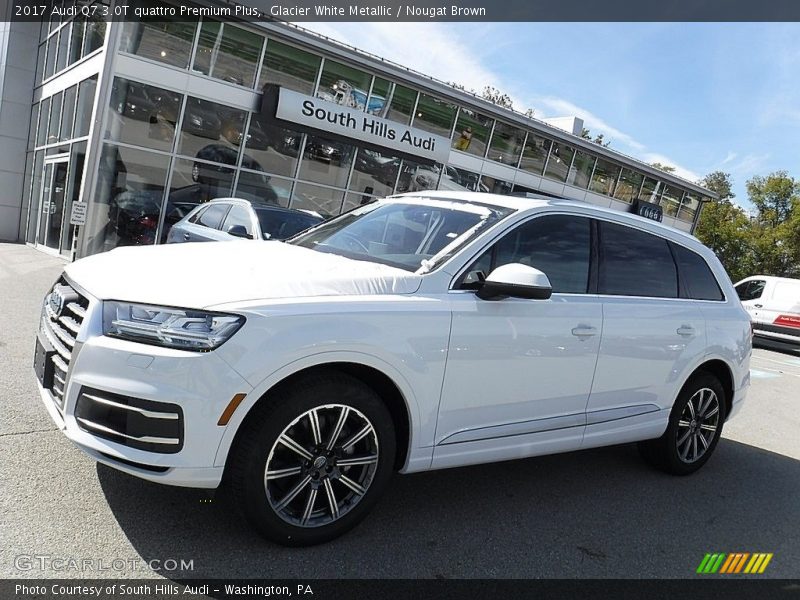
(422, 331)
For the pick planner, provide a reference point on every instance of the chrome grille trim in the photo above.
(146, 438)
(70, 324)
(147, 413)
(77, 309)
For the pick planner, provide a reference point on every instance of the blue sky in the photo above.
(698, 96)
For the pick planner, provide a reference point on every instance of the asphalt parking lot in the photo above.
(599, 513)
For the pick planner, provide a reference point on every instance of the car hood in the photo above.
(199, 275)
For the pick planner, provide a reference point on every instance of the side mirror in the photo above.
(517, 281)
(238, 231)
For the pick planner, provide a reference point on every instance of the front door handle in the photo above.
(686, 330)
(186, 236)
(584, 331)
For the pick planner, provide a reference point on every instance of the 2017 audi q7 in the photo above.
(422, 331)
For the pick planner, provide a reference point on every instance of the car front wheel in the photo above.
(311, 462)
(694, 429)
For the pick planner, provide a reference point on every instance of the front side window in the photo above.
(212, 217)
(635, 263)
(238, 215)
(411, 235)
(557, 245)
(751, 290)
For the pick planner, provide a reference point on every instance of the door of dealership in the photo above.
(53, 231)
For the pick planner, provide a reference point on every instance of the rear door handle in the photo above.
(758, 305)
(686, 330)
(186, 236)
(584, 331)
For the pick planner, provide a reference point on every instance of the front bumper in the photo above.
(198, 386)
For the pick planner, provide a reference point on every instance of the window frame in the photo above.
(684, 292)
(226, 206)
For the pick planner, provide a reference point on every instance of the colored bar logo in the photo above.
(735, 562)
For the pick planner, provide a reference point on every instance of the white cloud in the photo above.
(438, 50)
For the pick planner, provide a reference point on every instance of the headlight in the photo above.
(170, 327)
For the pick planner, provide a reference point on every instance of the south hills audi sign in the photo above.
(355, 124)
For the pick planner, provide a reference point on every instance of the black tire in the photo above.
(257, 443)
(665, 453)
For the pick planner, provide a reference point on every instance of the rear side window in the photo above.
(212, 216)
(238, 215)
(696, 277)
(635, 263)
(195, 216)
(750, 290)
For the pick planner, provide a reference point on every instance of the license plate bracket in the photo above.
(43, 361)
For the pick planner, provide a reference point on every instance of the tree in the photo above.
(529, 113)
(497, 97)
(720, 183)
(773, 196)
(663, 167)
(598, 139)
(727, 230)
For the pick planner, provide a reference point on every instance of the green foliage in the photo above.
(663, 167)
(766, 243)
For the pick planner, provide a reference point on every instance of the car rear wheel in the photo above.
(314, 459)
(694, 429)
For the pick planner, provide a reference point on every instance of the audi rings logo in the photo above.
(56, 302)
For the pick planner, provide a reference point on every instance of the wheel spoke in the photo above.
(331, 498)
(684, 424)
(703, 402)
(706, 427)
(313, 417)
(694, 447)
(360, 490)
(711, 413)
(365, 431)
(293, 493)
(690, 406)
(337, 431)
(704, 441)
(681, 440)
(293, 445)
(312, 496)
(685, 452)
(277, 474)
(357, 460)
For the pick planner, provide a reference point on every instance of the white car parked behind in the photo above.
(422, 331)
(774, 306)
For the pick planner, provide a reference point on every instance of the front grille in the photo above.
(133, 422)
(61, 321)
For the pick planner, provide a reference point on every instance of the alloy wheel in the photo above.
(697, 425)
(321, 465)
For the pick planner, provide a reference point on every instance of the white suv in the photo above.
(422, 331)
(774, 306)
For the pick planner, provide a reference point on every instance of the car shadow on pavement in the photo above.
(594, 513)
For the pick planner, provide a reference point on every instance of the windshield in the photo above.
(415, 234)
(279, 224)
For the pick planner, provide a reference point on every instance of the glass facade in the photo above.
(164, 150)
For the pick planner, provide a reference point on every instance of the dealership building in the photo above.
(112, 131)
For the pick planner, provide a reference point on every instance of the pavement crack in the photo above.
(29, 432)
(592, 553)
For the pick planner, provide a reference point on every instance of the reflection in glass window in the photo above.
(650, 190)
(689, 207)
(274, 148)
(416, 176)
(671, 199)
(76, 162)
(127, 202)
(289, 67)
(326, 161)
(68, 113)
(628, 187)
(78, 32)
(344, 85)
(50, 61)
(492, 185)
(142, 115)
(434, 115)
(559, 161)
(353, 200)
(202, 127)
(458, 179)
(40, 64)
(402, 104)
(472, 132)
(506, 144)
(325, 202)
(196, 182)
(259, 187)
(534, 154)
(605, 177)
(63, 48)
(55, 118)
(227, 52)
(374, 173)
(581, 170)
(94, 35)
(83, 111)
(164, 39)
(44, 120)
(381, 90)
